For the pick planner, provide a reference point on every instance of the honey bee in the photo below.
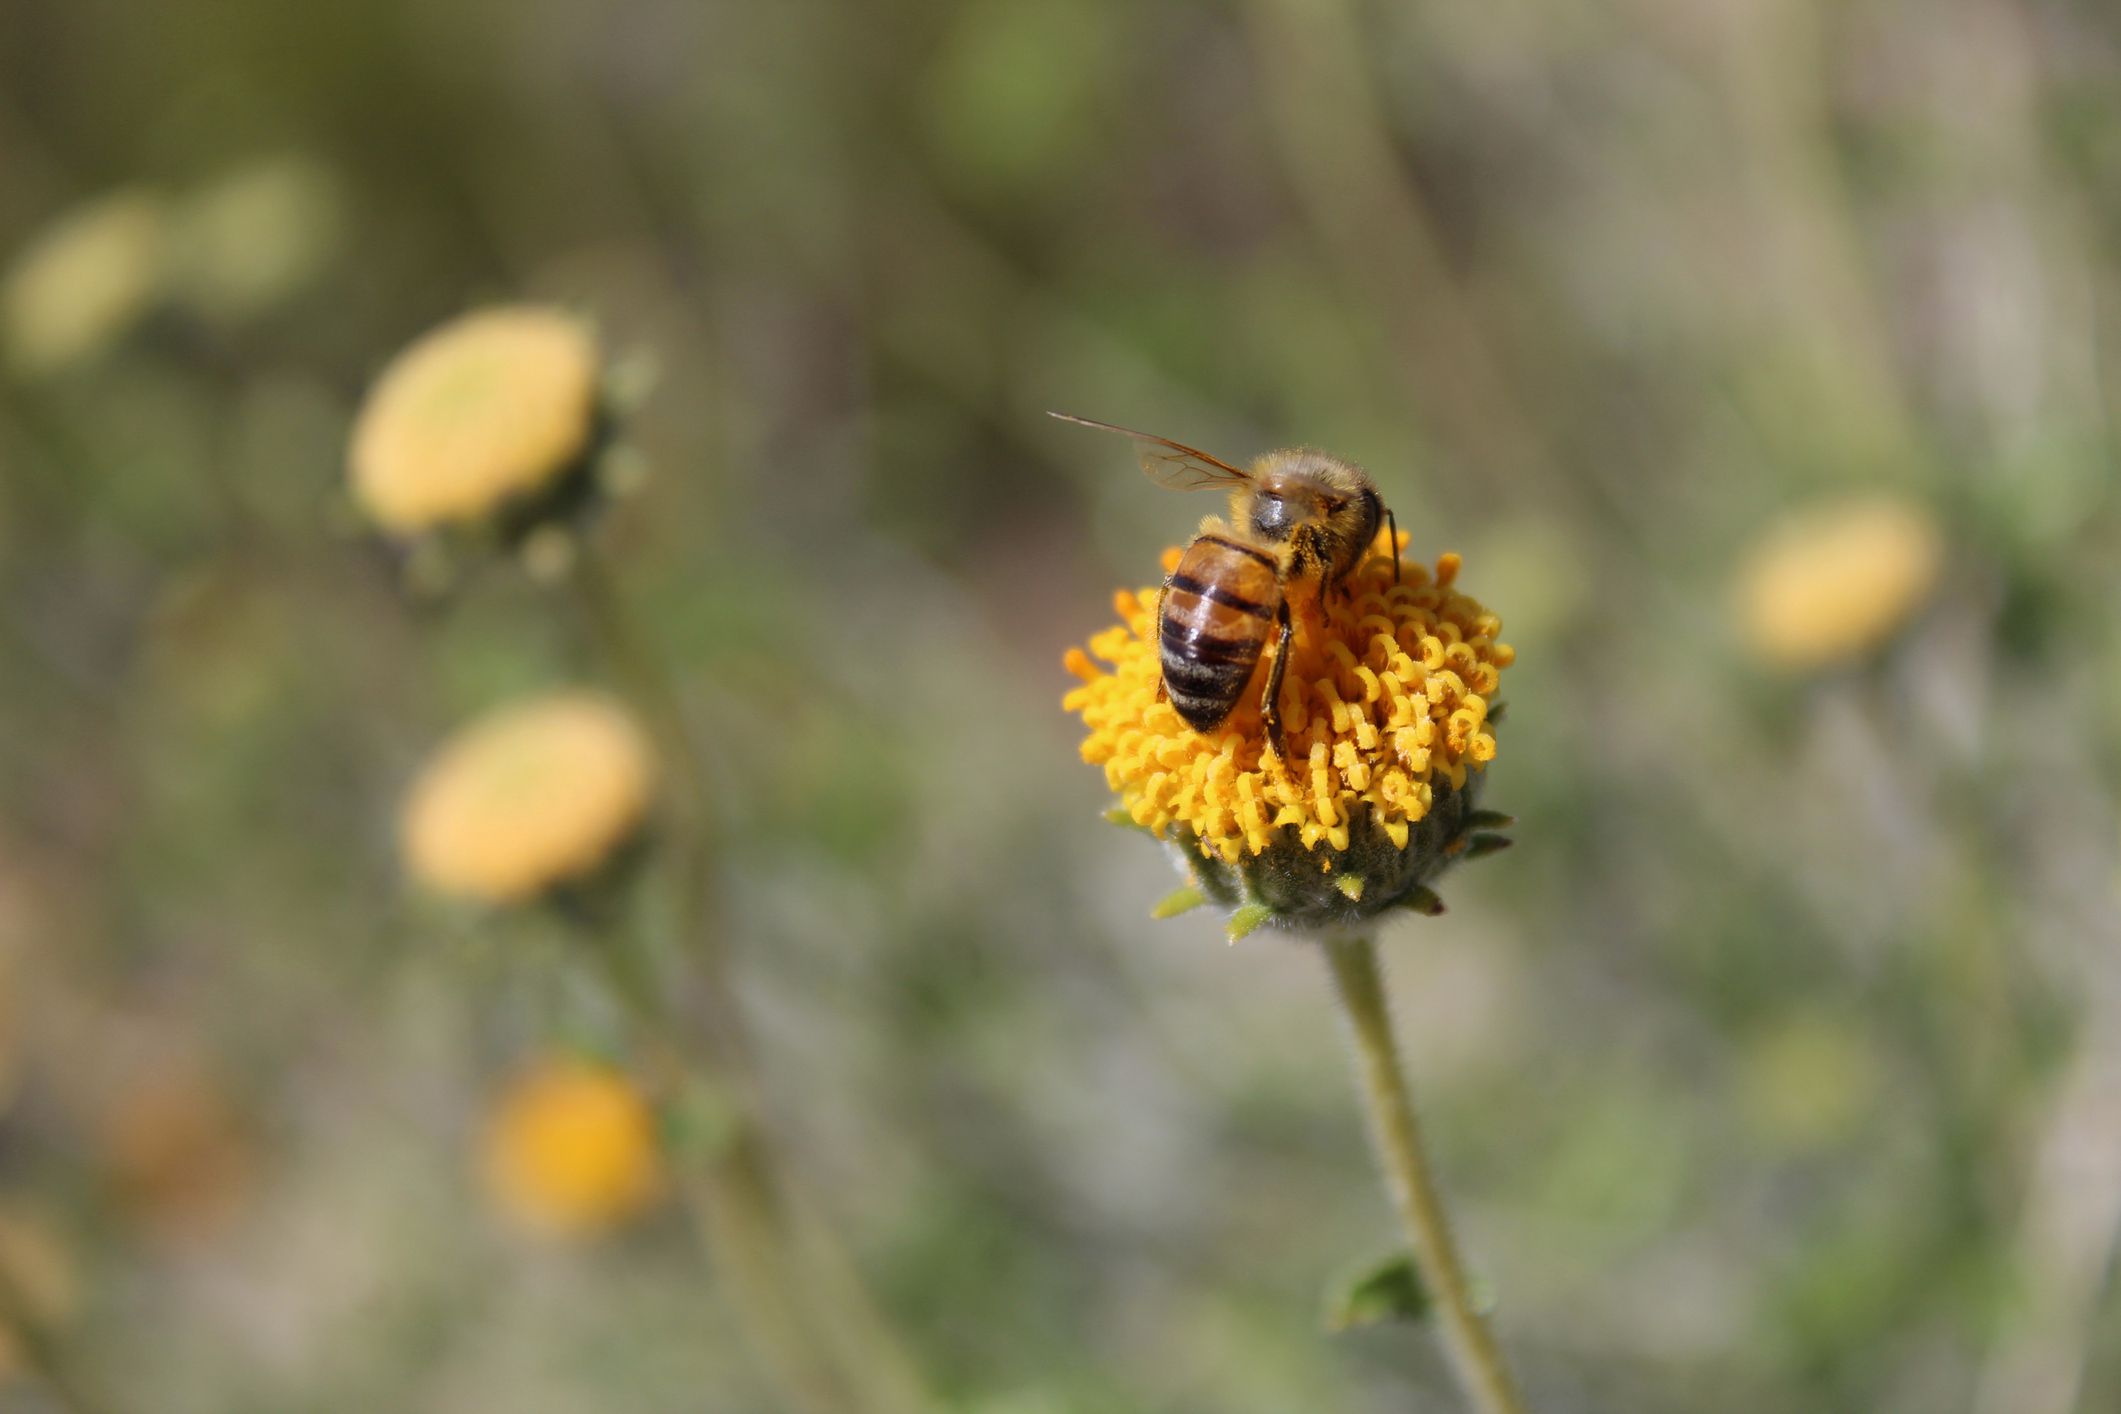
(1298, 516)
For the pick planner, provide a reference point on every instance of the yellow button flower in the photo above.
(1388, 709)
(1831, 583)
(84, 282)
(531, 796)
(570, 1149)
(482, 414)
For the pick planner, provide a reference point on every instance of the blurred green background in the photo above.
(1778, 1068)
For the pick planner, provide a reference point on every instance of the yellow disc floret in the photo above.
(571, 1149)
(1385, 707)
(532, 796)
(481, 413)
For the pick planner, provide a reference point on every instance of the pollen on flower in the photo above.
(1385, 707)
(570, 1149)
(529, 797)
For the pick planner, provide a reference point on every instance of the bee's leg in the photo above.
(1307, 560)
(1270, 709)
(1392, 521)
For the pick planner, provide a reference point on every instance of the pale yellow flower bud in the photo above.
(479, 416)
(1833, 582)
(529, 797)
(84, 282)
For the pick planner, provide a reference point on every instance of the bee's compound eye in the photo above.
(1270, 517)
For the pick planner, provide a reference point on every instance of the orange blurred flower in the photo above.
(571, 1149)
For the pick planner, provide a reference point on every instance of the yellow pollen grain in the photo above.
(1388, 691)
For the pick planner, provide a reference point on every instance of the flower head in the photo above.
(1831, 583)
(529, 797)
(1388, 710)
(85, 281)
(255, 235)
(485, 414)
(570, 1149)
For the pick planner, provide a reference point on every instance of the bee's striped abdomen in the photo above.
(1218, 612)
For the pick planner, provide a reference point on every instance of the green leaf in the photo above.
(1178, 901)
(1386, 1290)
(1246, 919)
(1352, 885)
(1489, 820)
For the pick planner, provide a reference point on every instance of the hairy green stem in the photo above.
(805, 1310)
(1475, 1358)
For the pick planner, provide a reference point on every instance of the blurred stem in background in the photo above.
(1320, 95)
(1475, 1358)
(32, 1344)
(794, 1287)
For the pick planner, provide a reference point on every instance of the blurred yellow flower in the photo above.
(486, 411)
(1385, 712)
(255, 235)
(530, 796)
(37, 1266)
(84, 281)
(570, 1149)
(1832, 582)
(177, 1153)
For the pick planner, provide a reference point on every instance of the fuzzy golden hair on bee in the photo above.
(1324, 509)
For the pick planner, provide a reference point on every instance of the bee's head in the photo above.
(1293, 489)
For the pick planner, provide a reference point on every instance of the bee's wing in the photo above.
(1172, 465)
